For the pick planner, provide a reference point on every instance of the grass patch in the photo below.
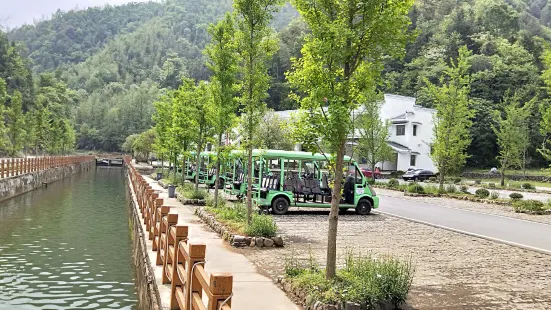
(188, 191)
(235, 218)
(365, 279)
(530, 207)
(532, 172)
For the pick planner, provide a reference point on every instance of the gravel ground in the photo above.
(469, 205)
(453, 271)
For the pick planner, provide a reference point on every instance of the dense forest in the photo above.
(108, 65)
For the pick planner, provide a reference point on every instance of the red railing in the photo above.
(10, 167)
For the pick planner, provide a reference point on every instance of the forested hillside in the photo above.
(118, 60)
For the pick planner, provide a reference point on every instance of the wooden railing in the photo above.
(10, 167)
(182, 261)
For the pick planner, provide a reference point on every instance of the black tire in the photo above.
(280, 206)
(364, 207)
(415, 179)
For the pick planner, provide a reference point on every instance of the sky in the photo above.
(15, 13)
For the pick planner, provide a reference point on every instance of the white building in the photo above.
(411, 133)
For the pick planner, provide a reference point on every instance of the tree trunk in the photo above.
(198, 164)
(502, 182)
(162, 164)
(250, 184)
(217, 180)
(176, 167)
(331, 267)
(441, 187)
(184, 170)
(373, 172)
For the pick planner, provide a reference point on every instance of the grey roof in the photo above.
(398, 146)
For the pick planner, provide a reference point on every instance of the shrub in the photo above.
(491, 185)
(477, 181)
(210, 201)
(464, 189)
(432, 179)
(197, 194)
(364, 279)
(262, 225)
(516, 196)
(451, 189)
(528, 186)
(494, 195)
(416, 188)
(530, 206)
(393, 183)
(431, 189)
(482, 193)
(457, 180)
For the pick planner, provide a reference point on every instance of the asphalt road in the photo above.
(527, 234)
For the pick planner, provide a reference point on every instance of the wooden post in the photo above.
(161, 212)
(157, 204)
(221, 285)
(168, 221)
(2, 169)
(196, 255)
(176, 234)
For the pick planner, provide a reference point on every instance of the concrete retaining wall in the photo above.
(148, 293)
(17, 185)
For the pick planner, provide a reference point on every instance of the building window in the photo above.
(412, 160)
(415, 130)
(400, 130)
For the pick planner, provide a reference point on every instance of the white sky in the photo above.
(15, 13)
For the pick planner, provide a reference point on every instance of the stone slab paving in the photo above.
(252, 291)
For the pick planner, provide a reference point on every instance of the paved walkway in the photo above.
(527, 234)
(251, 290)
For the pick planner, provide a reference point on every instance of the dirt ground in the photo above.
(453, 271)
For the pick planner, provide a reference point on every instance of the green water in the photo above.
(68, 246)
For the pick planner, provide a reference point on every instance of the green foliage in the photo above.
(453, 113)
(494, 195)
(235, 216)
(274, 133)
(457, 180)
(364, 279)
(491, 185)
(528, 186)
(482, 193)
(261, 225)
(511, 132)
(374, 134)
(530, 207)
(143, 144)
(451, 189)
(415, 188)
(464, 189)
(393, 183)
(516, 196)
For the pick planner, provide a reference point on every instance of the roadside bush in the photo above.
(482, 193)
(431, 189)
(262, 225)
(516, 196)
(464, 189)
(530, 207)
(451, 189)
(210, 201)
(393, 183)
(494, 195)
(197, 194)
(491, 185)
(364, 279)
(457, 180)
(415, 188)
(477, 182)
(432, 179)
(528, 186)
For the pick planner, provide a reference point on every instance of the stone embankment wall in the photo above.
(17, 185)
(148, 292)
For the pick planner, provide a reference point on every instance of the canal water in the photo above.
(68, 246)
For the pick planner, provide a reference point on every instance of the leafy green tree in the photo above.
(256, 45)
(128, 145)
(200, 102)
(3, 132)
(453, 116)
(163, 117)
(15, 124)
(222, 61)
(143, 145)
(274, 133)
(342, 60)
(373, 134)
(512, 133)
